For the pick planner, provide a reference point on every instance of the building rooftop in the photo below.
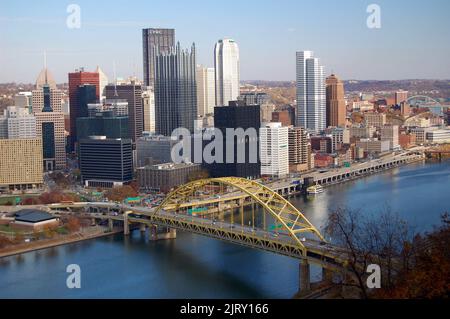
(32, 216)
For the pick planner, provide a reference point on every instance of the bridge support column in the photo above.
(304, 276)
(142, 228)
(327, 275)
(153, 232)
(110, 224)
(126, 226)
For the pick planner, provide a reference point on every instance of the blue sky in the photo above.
(413, 41)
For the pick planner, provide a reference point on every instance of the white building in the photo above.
(23, 99)
(438, 136)
(274, 149)
(311, 96)
(148, 105)
(17, 123)
(206, 90)
(227, 74)
(103, 82)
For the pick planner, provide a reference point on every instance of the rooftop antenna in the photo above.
(115, 79)
(45, 66)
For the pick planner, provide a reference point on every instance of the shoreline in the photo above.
(56, 243)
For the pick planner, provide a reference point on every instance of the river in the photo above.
(193, 266)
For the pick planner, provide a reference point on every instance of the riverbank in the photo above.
(54, 242)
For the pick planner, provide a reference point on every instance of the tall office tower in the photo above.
(274, 149)
(401, 96)
(17, 123)
(226, 65)
(45, 77)
(106, 162)
(86, 95)
(175, 90)
(50, 125)
(311, 100)
(235, 116)
(259, 98)
(132, 93)
(299, 150)
(103, 124)
(336, 109)
(77, 78)
(163, 40)
(206, 91)
(20, 164)
(148, 105)
(115, 107)
(103, 82)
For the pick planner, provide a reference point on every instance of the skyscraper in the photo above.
(311, 100)
(50, 126)
(163, 39)
(17, 123)
(226, 64)
(274, 149)
(132, 93)
(206, 91)
(77, 78)
(175, 90)
(336, 109)
(237, 115)
(148, 105)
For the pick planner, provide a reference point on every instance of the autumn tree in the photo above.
(118, 194)
(4, 241)
(384, 240)
(73, 224)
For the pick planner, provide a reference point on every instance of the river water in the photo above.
(193, 266)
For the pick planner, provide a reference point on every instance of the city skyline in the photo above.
(360, 53)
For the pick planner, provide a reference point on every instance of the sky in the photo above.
(411, 43)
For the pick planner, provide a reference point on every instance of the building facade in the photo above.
(175, 90)
(16, 123)
(311, 97)
(227, 68)
(132, 93)
(336, 109)
(152, 150)
(274, 149)
(106, 162)
(21, 164)
(206, 91)
(299, 150)
(163, 40)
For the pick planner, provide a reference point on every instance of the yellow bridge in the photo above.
(235, 210)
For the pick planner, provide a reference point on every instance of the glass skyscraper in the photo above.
(175, 90)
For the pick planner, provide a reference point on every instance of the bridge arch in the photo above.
(283, 212)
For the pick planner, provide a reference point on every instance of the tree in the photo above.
(73, 224)
(118, 194)
(4, 241)
(385, 240)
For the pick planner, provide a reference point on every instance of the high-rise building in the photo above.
(400, 97)
(163, 40)
(206, 91)
(17, 123)
(299, 150)
(391, 134)
(336, 109)
(21, 164)
(238, 115)
(274, 149)
(105, 162)
(250, 98)
(132, 93)
(284, 117)
(311, 98)
(375, 119)
(102, 124)
(226, 65)
(50, 126)
(148, 105)
(175, 90)
(77, 78)
(152, 150)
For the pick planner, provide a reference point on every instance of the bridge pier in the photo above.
(126, 226)
(171, 233)
(110, 224)
(304, 276)
(327, 275)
